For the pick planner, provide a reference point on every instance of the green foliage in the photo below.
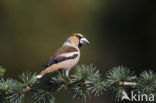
(84, 72)
(117, 75)
(15, 96)
(86, 81)
(90, 82)
(60, 80)
(147, 82)
(43, 96)
(80, 91)
(11, 91)
(2, 71)
(28, 78)
(7, 84)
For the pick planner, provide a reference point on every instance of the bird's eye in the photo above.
(79, 37)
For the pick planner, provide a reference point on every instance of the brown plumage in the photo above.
(64, 49)
(67, 56)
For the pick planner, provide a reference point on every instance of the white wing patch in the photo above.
(69, 54)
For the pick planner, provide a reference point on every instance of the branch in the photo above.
(86, 82)
(127, 83)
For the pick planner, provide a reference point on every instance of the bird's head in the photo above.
(76, 40)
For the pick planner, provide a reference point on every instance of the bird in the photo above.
(65, 57)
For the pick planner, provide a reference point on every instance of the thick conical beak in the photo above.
(84, 41)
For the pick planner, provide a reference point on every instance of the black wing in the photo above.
(58, 59)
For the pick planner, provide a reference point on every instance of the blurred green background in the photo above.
(121, 32)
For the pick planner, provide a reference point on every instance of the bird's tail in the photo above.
(42, 73)
(48, 70)
(38, 76)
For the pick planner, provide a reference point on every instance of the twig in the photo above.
(127, 83)
(27, 89)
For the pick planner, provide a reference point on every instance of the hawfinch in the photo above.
(67, 56)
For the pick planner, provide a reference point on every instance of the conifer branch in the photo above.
(86, 82)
